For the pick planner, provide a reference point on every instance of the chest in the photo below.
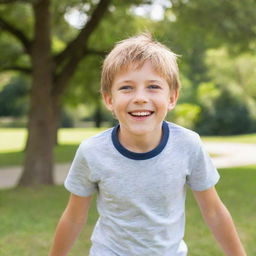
(142, 183)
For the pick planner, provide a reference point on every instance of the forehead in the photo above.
(138, 71)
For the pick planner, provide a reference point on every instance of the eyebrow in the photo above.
(125, 81)
(154, 81)
(131, 81)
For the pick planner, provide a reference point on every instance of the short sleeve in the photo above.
(203, 174)
(79, 180)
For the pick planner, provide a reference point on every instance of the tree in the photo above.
(235, 72)
(50, 76)
(224, 113)
(30, 49)
(190, 28)
(230, 23)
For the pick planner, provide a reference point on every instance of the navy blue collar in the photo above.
(141, 156)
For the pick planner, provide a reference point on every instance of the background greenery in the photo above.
(217, 60)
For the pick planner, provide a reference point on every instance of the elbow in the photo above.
(217, 214)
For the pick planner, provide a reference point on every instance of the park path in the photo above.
(228, 155)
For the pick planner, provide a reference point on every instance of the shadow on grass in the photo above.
(63, 153)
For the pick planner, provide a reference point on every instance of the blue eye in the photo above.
(125, 87)
(154, 86)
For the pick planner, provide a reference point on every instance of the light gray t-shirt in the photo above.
(141, 196)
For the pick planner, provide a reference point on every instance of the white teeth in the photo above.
(141, 113)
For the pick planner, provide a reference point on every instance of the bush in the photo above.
(13, 98)
(228, 114)
(66, 120)
(185, 115)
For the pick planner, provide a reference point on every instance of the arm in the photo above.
(219, 221)
(70, 225)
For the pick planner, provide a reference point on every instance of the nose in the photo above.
(140, 97)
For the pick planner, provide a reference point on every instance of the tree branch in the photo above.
(78, 45)
(96, 52)
(69, 59)
(17, 33)
(25, 70)
(15, 1)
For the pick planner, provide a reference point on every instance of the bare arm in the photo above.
(70, 225)
(219, 221)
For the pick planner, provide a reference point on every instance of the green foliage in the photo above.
(85, 85)
(186, 115)
(13, 98)
(228, 100)
(225, 114)
(234, 72)
(11, 51)
(207, 93)
(218, 20)
(190, 28)
(187, 92)
(20, 15)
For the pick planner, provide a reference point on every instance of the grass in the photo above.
(29, 216)
(237, 190)
(13, 141)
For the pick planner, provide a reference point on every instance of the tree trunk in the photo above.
(98, 116)
(57, 114)
(50, 77)
(39, 160)
(42, 117)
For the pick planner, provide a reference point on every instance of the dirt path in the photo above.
(231, 155)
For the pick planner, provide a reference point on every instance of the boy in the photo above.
(140, 168)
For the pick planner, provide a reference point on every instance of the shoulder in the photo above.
(183, 135)
(97, 141)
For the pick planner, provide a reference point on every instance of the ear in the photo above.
(173, 99)
(108, 101)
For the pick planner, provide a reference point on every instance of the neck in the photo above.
(140, 143)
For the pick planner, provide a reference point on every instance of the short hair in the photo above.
(136, 51)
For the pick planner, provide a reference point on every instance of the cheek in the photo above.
(118, 106)
(163, 102)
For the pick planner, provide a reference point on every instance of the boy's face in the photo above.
(140, 100)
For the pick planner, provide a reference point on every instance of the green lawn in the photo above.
(28, 217)
(13, 141)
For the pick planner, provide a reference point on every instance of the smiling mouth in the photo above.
(141, 113)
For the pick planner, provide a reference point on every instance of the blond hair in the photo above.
(136, 51)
